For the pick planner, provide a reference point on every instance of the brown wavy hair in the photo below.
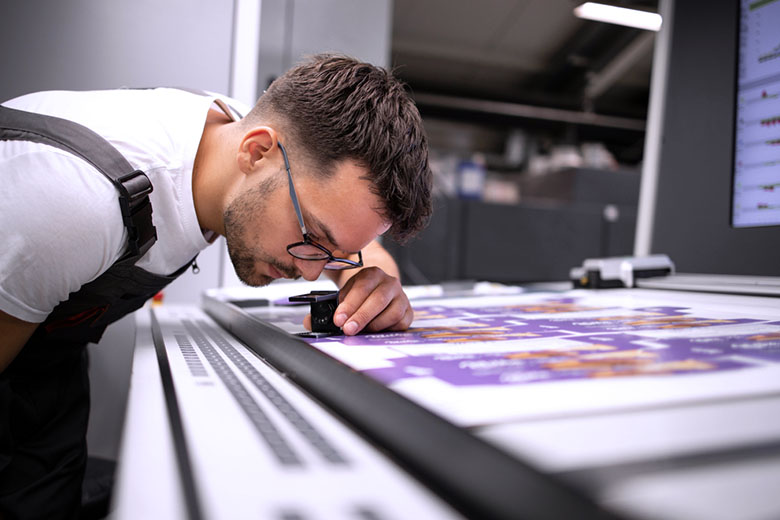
(335, 107)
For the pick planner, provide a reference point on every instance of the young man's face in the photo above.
(340, 213)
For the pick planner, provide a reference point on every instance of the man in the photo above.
(332, 156)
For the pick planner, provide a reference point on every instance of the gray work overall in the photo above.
(44, 393)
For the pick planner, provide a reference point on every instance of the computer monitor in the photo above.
(692, 211)
(756, 200)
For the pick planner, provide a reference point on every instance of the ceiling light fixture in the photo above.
(619, 15)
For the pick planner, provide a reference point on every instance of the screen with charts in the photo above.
(756, 190)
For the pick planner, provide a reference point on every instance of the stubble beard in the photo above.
(250, 206)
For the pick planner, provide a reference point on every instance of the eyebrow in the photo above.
(326, 231)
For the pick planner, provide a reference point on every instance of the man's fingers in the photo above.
(397, 316)
(373, 305)
(374, 298)
(354, 294)
(373, 301)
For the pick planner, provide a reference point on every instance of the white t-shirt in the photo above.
(60, 223)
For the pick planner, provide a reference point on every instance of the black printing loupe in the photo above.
(323, 305)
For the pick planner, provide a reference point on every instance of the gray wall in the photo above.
(292, 29)
(692, 213)
(93, 44)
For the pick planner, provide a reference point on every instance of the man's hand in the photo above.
(372, 300)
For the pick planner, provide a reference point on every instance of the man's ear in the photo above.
(255, 145)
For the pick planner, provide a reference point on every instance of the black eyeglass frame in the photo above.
(334, 263)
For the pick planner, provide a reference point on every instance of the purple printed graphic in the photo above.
(609, 355)
(476, 330)
(596, 342)
(756, 347)
(647, 318)
(518, 322)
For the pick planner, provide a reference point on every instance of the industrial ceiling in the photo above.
(530, 63)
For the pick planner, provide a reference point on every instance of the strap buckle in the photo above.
(134, 189)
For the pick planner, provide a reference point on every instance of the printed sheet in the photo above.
(490, 359)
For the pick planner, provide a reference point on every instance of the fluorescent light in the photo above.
(619, 15)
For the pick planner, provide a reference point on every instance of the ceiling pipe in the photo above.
(528, 111)
(603, 80)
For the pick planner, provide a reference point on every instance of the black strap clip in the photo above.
(134, 189)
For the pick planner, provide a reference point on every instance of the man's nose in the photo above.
(310, 270)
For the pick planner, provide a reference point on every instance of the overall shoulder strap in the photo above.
(226, 107)
(133, 185)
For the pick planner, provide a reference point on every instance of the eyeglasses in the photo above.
(308, 249)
